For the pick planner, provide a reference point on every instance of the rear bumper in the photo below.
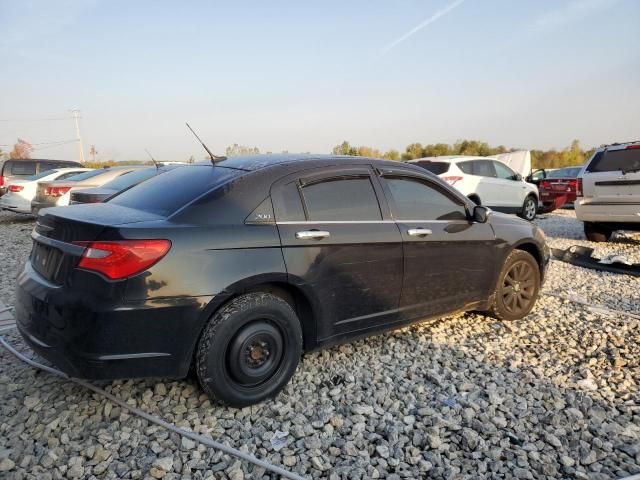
(15, 204)
(96, 338)
(36, 206)
(590, 210)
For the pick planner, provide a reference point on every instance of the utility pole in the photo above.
(76, 115)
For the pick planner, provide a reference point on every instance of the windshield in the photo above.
(436, 168)
(565, 173)
(131, 178)
(85, 175)
(38, 176)
(164, 194)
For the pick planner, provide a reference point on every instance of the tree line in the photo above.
(572, 155)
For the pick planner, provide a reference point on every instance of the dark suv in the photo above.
(23, 168)
(236, 269)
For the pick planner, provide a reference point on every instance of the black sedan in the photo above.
(236, 269)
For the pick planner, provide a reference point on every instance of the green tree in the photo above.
(391, 155)
(344, 149)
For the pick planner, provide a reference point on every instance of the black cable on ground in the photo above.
(158, 421)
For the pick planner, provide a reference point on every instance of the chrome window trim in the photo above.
(320, 222)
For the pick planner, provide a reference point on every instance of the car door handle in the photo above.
(312, 234)
(419, 232)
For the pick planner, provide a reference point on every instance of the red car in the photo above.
(558, 188)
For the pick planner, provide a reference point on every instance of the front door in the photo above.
(340, 249)
(449, 261)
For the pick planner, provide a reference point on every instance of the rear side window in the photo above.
(481, 168)
(436, 168)
(416, 200)
(615, 160)
(165, 194)
(23, 168)
(347, 199)
(466, 167)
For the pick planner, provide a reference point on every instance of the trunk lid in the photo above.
(91, 195)
(54, 254)
(613, 176)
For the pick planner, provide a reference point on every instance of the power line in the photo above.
(34, 119)
(40, 143)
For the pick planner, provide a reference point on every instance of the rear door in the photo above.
(613, 176)
(449, 261)
(340, 246)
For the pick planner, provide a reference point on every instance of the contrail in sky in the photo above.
(427, 22)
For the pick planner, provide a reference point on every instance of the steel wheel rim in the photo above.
(255, 353)
(518, 288)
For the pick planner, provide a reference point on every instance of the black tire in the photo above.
(249, 350)
(529, 208)
(596, 232)
(518, 286)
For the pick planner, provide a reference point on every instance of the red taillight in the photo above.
(545, 183)
(3, 180)
(124, 258)
(633, 147)
(56, 191)
(573, 184)
(578, 187)
(452, 180)
(16, 188)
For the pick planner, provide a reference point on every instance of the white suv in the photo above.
(487, 182)
(609, 191)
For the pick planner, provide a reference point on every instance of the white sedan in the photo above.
(487, 181)
(21, 192)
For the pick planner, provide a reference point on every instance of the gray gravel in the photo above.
(551, 396)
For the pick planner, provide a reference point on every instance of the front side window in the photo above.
(346, 199)
(414, 199)
(504, 172)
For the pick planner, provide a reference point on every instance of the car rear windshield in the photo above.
(38, 176)
(436, 168)
(615, 160)
(165, 194)
(21, 167)
(85, 175)
(131, 178)
(565, 173)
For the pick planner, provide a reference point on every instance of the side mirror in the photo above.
(481, 214)
(517, 177)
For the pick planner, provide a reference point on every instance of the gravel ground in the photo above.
(555, 395)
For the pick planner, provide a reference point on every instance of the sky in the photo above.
(304, 76)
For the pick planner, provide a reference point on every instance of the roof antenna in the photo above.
(214, 158)
(152, 159)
